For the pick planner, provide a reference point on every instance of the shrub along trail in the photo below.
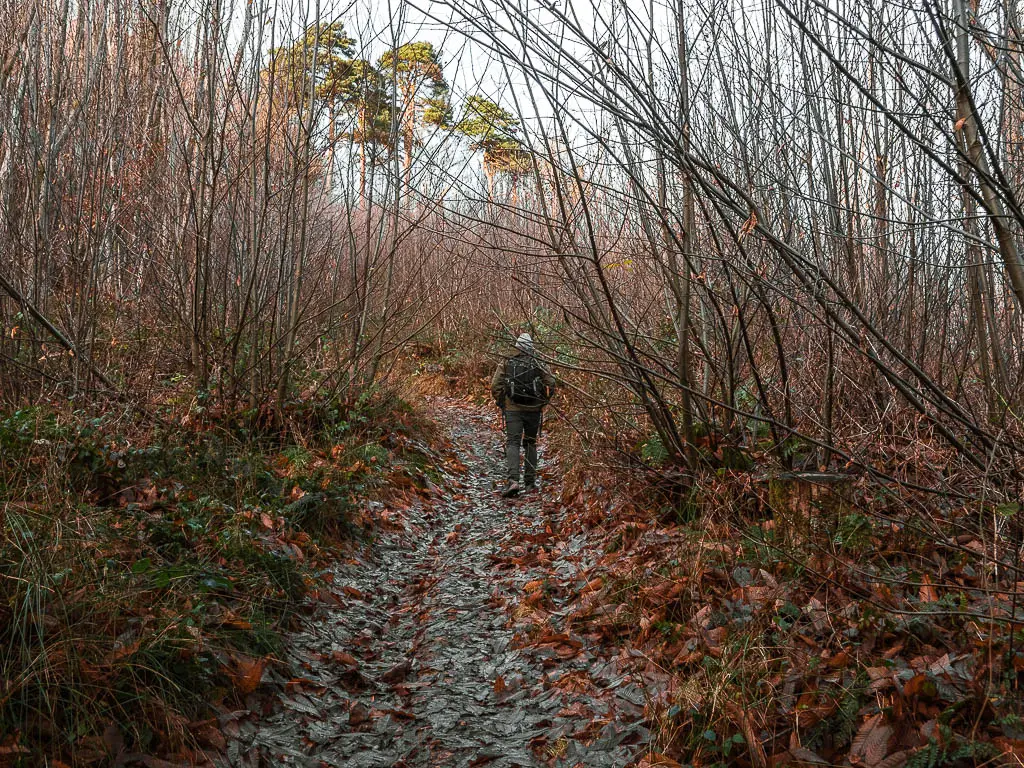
(446, 648)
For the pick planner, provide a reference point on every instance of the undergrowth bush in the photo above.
(796, 617)
(149, 573)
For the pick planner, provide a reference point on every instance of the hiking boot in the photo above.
(530, 486)
(512, 488)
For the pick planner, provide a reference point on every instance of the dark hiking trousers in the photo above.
(521, 428)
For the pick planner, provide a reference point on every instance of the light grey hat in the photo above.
(525, 343)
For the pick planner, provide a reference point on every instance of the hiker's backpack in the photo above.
(524, 382)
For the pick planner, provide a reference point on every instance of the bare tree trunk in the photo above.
(971, 156)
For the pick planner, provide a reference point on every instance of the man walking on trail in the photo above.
(521, 387)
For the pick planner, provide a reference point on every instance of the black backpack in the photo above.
(524, 382)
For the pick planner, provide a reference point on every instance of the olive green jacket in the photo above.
(498, 381)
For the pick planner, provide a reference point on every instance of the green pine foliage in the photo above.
(495, 131)
(312, 64)
(419, 78)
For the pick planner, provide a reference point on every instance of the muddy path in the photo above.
(446, 650)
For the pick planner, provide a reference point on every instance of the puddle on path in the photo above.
(423, 667)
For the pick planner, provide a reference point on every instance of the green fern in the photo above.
(927, 757)
(936, 755)
(842, 725)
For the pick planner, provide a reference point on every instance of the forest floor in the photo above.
(445, 647)
(359, 594)
(574, 628)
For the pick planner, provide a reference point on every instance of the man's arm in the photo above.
(498, 385)
(549, 381)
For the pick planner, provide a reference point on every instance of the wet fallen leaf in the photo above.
(921, 686)
(358, 714)
(345, 658)
(401, 714)
(871, 744)
(742, 718)
(397, 673)
(208, 734)
(246, 672)
(927, 593)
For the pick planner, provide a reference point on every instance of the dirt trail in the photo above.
(424, 665)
